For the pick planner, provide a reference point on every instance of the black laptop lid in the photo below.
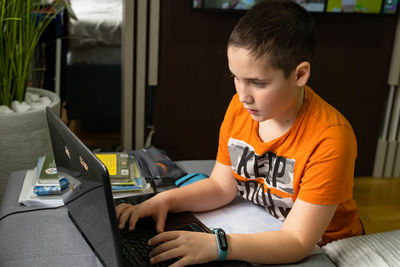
(90, 203)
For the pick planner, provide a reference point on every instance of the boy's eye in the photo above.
(258, 83)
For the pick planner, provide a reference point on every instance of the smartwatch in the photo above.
(222, 243)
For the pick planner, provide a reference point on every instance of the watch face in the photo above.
(222, 239)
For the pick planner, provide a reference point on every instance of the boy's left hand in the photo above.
(189, 247)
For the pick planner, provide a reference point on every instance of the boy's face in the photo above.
(263, 90)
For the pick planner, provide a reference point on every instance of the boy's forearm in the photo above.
(200, 196)
(273, 247)
(300, 232)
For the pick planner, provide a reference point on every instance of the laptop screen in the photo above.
(89, 203)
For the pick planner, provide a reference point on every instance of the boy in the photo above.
(281, 146)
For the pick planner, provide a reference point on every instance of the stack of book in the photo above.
(47, 181)
(125, 176)
(42, 186)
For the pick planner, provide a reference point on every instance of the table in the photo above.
(47, 237)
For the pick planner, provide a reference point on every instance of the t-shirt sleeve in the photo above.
(329, 174)
(224, 133)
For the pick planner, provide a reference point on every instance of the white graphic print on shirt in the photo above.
(276, 172)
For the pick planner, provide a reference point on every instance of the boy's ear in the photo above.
(303, 71)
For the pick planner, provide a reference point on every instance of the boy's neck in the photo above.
(271, 129)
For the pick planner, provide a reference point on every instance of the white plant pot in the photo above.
(24, 137)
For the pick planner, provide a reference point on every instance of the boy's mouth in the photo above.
(252, 111)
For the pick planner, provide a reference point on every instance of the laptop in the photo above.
(91, 206)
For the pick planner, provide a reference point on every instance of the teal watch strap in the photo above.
(222, 243)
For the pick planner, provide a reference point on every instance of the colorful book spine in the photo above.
(138, 186)
(123, 183)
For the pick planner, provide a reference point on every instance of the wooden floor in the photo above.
(378, 198)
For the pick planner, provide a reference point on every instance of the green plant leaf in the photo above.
(21, 26)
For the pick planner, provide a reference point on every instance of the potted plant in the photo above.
(23, 135)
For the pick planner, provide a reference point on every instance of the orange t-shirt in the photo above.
(314, 161)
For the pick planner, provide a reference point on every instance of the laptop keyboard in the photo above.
(134, 243)
(135, 248)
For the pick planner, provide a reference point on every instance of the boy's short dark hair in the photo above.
(281, 29)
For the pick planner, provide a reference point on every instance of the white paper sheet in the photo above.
(240, 217)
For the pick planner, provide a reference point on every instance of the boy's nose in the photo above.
(244, 94)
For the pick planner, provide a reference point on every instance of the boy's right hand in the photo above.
(156, 207)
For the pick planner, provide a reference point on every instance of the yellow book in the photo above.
(118, 165)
